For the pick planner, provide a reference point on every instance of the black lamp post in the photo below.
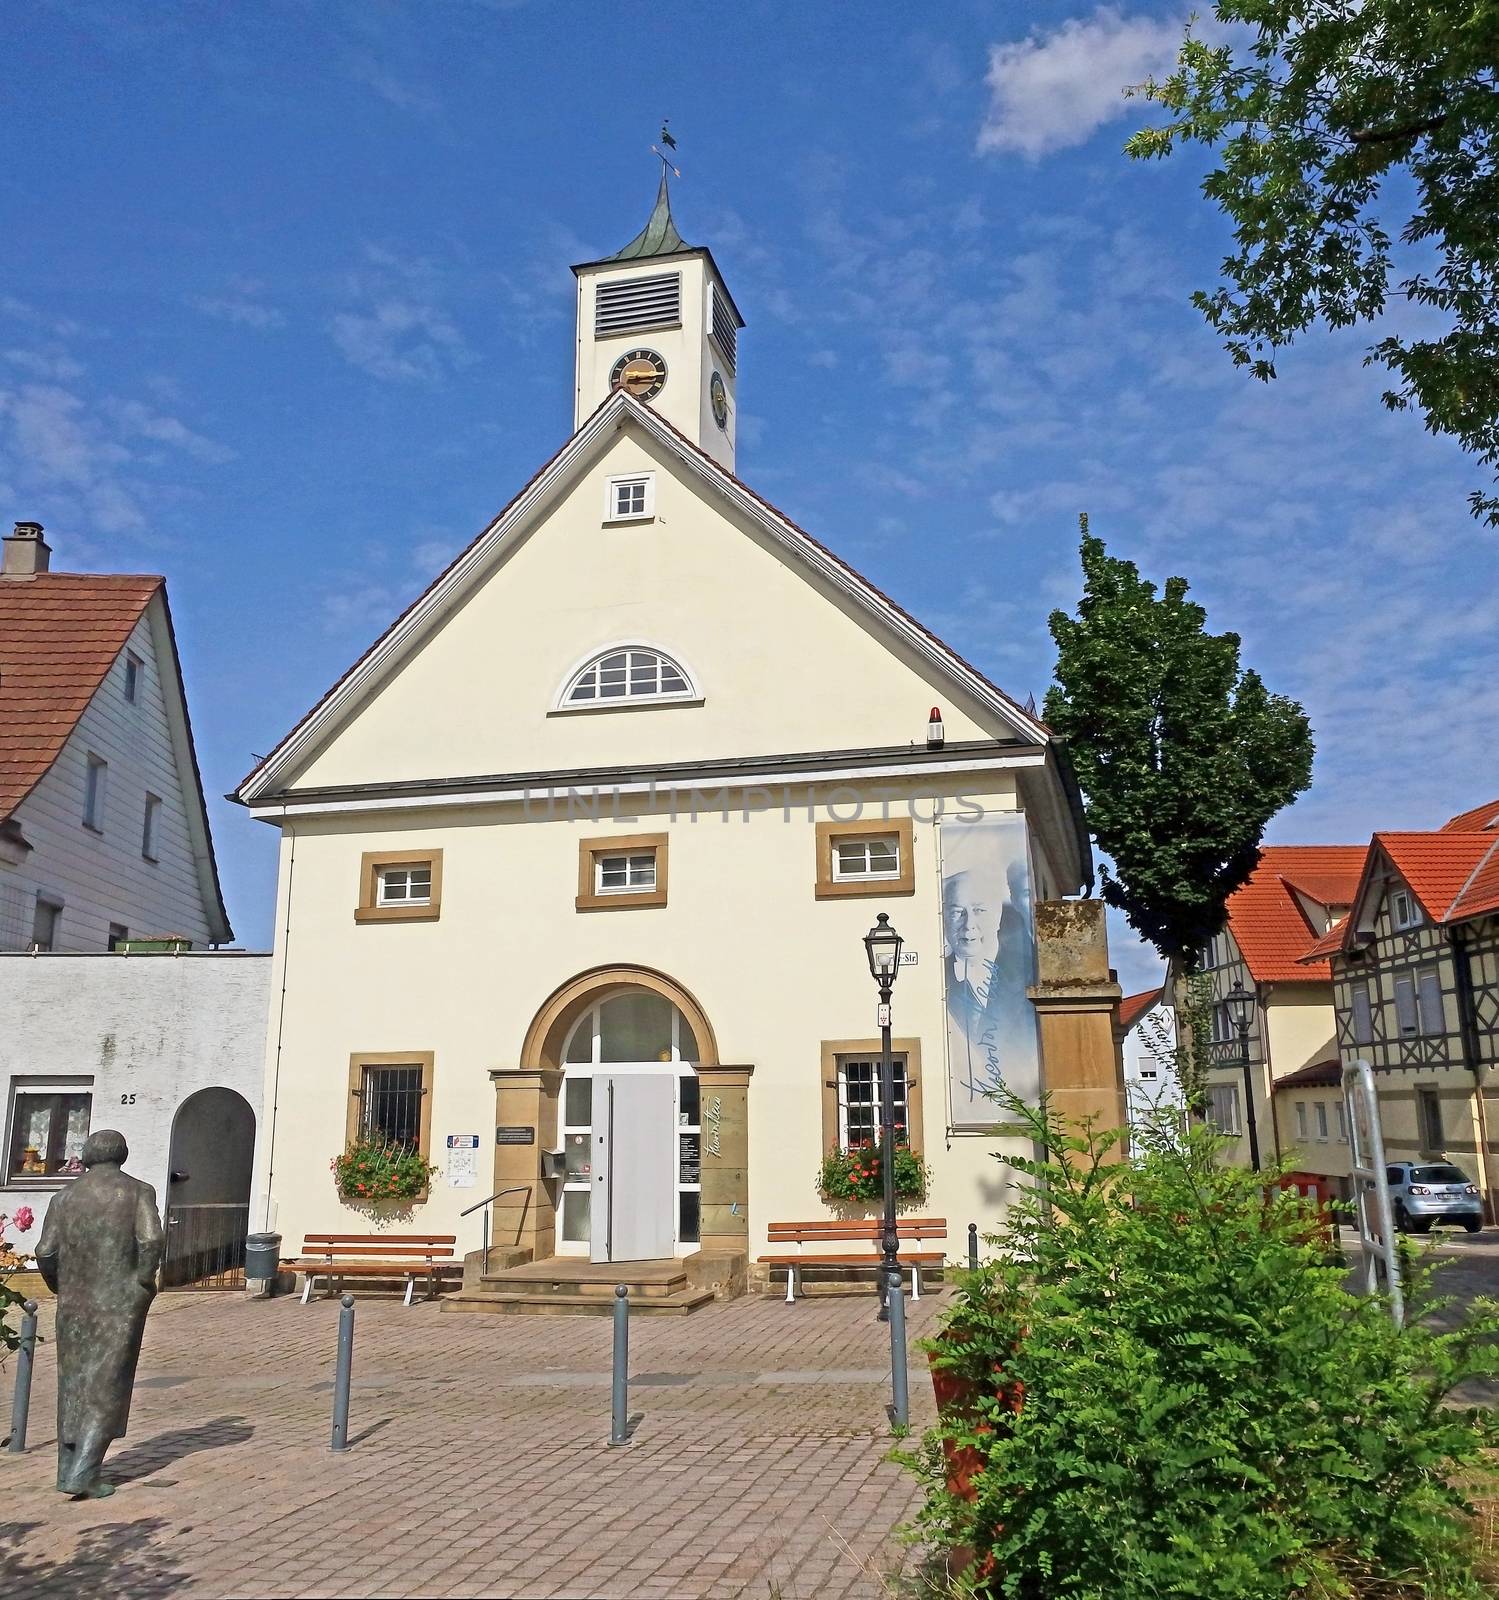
(882, 944)
(1240, 1005)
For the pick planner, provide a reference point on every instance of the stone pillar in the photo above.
(1077, 1002)
(525, 1097)
(724, 1111)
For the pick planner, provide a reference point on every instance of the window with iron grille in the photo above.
(390, 1105)
(725, 331)
(405, 885)
(625, 874)
(860, 1102)
(628, 305)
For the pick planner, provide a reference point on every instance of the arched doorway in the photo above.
(208, 1190)
(630, 1126)
(621, 1062)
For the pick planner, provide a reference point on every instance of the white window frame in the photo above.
(631, 885)
(1342, 1112)
(843, 841)
(1411, 917)
(690, 696)
(1301, 1122)
(620, 480)
(405, 869)
(1221, 1095)
(1321, 1110)
(900, 1072)
(135, 670)
(95, 789)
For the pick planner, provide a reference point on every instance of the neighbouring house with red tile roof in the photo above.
(1147, 1038)
(1415, 969)
(103, 831)
(1294, 896)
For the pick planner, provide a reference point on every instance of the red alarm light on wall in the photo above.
(935, 737)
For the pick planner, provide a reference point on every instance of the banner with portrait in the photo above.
(988, 962)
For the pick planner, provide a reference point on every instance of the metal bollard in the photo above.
(343, 1373)
(973, 1247)
(900, 1410)
(619, 1400)
(20, 1405)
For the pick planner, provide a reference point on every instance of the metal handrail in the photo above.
(518, 1188)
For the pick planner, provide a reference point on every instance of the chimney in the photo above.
(26, 552)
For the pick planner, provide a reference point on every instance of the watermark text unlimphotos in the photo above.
(736, 803)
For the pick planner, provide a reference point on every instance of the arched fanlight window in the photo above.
(628, 673)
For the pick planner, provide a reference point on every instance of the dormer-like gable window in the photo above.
(1404, 912)
(627, 675)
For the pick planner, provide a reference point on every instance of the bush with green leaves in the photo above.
(1208, 1411)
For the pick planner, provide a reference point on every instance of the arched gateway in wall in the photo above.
(620, 1074)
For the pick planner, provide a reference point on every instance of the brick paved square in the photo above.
(479, 1464)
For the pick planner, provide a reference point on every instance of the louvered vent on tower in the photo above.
(628, 305)
(725, 333)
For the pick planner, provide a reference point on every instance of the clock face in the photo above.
(718, 398)
(641, 373)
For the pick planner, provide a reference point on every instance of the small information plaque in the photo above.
(515, 1135)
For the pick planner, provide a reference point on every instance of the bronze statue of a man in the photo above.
(99, 1251)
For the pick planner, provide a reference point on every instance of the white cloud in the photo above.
(139, 421)
(1057, 87)
(398, 328)
(396, 91)
(239, 309)
(56, 365)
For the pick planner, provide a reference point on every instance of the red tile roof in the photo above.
(1134, 1006)
(60, 632)
(1437, 866)
(1329, 944)
(1266, 919)
(1479, 820)
(1480, 895)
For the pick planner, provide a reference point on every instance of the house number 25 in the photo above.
(127, 1099)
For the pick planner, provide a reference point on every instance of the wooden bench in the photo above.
(867, 1231)
(374, 1255)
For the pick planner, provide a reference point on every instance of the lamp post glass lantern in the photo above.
(882, 945)
(1240, 1005)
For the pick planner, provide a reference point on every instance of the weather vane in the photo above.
(667, 165)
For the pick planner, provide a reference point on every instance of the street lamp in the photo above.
(882, 945)
(1240, 1005)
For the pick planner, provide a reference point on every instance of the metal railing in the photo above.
(484, 1205)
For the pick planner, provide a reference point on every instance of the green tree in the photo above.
(1323, 113)
(1182, 756)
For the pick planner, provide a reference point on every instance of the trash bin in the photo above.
(262, 1257)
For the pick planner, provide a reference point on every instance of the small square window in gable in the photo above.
(630, 497)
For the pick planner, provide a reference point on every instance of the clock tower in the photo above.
(656, 319)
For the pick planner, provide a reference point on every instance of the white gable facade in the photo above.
(577, 861)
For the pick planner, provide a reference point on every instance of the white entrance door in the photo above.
(634, 1166)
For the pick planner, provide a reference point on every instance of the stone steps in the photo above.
(539, 1302)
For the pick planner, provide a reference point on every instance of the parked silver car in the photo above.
(1423, 1192)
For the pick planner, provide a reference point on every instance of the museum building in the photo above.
(577, 859)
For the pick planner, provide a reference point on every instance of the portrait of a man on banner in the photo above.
(989, 961)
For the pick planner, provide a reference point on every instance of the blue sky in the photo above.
(286, 314)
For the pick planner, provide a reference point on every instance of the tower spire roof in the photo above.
(659, 237)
